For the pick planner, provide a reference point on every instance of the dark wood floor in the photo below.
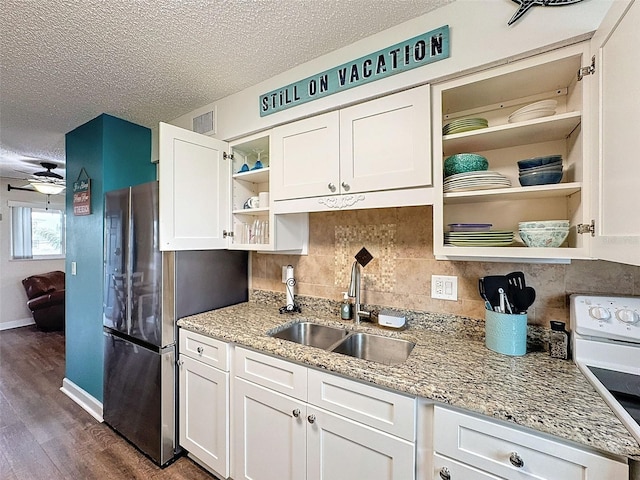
(45, 435)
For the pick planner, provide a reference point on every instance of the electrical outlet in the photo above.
(444, 287)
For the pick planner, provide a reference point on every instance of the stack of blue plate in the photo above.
(540, 170)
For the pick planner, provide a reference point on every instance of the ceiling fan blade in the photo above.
(48, 174)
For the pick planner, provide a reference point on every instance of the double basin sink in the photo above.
(376, 348)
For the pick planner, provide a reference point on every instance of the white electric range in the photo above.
(606, 348)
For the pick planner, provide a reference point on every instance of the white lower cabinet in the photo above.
(204, 401)
(283, 437)
(341, 449)
(269, 434)
(486, 448)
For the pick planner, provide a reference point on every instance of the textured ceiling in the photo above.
(62, 63)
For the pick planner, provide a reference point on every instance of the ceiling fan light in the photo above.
(47, 188)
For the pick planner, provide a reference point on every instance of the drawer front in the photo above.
(270, 372)
(514, 454)
(446, 469)
(205, 349)
(378, 408)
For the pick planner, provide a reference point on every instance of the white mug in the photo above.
(263, 199)
(252, 202)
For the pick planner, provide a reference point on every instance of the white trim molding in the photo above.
(89, 403)
(21, 322)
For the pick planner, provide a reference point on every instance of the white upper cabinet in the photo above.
(306, 155)
(494, 95)
(205, 186)
(385, 143)
(194, 190)
(371, 155)
(616, 90)
(594, 128)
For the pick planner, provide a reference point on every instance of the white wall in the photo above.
(479, 36)
(13, 300)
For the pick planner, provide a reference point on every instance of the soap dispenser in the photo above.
(345, 308)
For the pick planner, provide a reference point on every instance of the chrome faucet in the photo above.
(354, 292)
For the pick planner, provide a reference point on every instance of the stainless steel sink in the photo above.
(312, 334)
(376, 348)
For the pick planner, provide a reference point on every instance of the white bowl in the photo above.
(544, 224)
(543, 238)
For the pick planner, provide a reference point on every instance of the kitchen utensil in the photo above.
(516, 280)
(492, 284)
(523, 299)
(483, 294)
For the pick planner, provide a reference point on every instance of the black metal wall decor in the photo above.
(525, 5)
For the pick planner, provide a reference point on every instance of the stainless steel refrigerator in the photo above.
(145, 292)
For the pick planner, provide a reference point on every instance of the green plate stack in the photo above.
(464, 125)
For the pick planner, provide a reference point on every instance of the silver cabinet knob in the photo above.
(311, 418)
(516, 460)
(296, 412)
(332, 186)
(180, 362)
(200, 350)
(445, 474)
(346, 186)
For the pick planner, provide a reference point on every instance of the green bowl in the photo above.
(464, 162)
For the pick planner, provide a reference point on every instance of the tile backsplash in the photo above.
(400, 240)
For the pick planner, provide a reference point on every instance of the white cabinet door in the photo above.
(616, 99)
(269, 434)
(194, 190)
(305, 158)
(385, 143)
(204, 413)
(341, 449)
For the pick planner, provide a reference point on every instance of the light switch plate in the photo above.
(444, 287)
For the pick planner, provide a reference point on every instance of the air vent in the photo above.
(204, 123)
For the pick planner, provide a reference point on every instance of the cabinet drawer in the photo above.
(273, 373)
(444, 469)
(378, 408)
(492, 447)
(206, 349)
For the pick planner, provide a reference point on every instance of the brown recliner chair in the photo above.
(46, 299)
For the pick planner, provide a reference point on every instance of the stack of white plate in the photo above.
(545, 108)
(481, 180)
(464, 125)
(493, 238)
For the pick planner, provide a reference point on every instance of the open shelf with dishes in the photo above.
(527, 109)
(253, 222)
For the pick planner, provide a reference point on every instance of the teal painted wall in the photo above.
(115, 154)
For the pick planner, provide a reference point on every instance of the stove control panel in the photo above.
(608, 317)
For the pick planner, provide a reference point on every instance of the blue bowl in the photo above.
(539, 178)
(464, 162)
(538, 161)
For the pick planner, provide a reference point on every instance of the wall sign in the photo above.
(82, 194)
(417, 51)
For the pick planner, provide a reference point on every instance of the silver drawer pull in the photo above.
(445, 474)
(516, 460)
(331, 187)
(311, 418)
(346, 186)
(296, 412)
(200, 350)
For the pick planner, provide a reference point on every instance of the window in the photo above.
(36, 233)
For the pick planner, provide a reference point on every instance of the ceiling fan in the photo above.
(45, 181)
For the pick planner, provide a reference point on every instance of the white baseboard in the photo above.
(22, 322)
(89, 403)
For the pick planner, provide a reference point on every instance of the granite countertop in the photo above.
(447, 366)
